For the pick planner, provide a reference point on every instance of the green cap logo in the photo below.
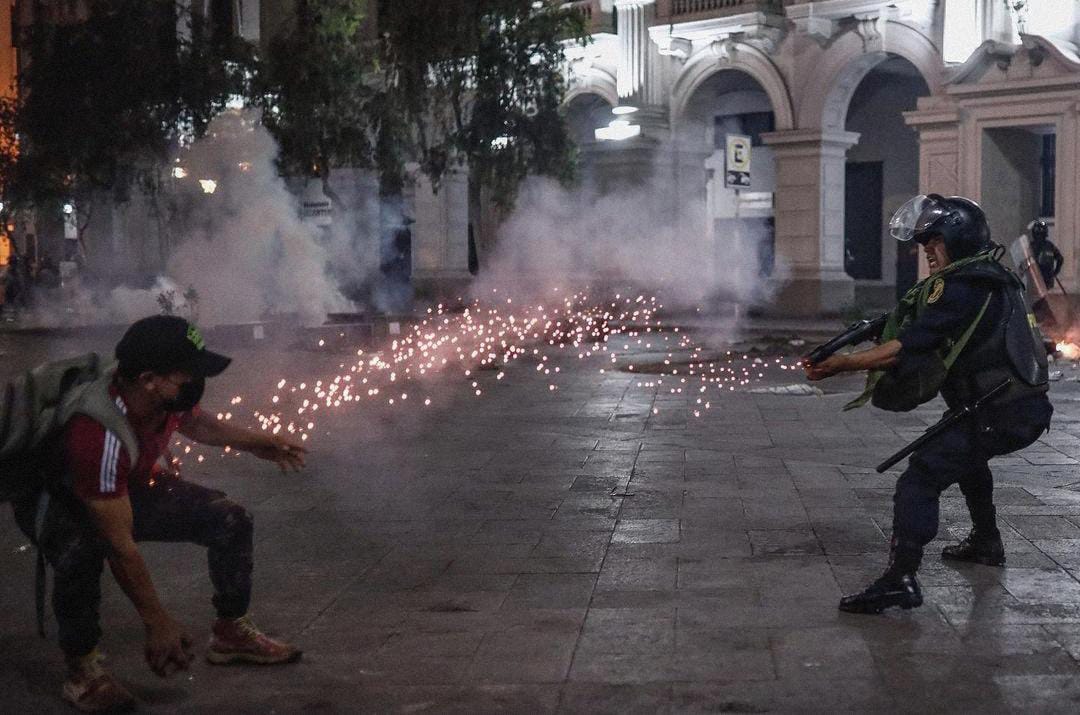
(196, 337)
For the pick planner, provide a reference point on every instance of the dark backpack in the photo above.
(34, 407)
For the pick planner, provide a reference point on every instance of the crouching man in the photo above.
(108, 502)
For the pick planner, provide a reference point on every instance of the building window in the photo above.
(1048, 164)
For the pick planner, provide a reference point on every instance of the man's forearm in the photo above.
(130, 572)
(879, 356)
(216, 433)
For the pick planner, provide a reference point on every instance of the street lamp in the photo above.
(618, 130)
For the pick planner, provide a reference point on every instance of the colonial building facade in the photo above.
(852, 106)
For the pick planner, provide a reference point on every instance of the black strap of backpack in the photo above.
(40, 575)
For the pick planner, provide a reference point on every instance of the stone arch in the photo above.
(722, 56)
(584, 113)
(591, 81)
(850, 58)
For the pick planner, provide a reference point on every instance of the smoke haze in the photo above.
(250, 255)
(644, 237)
(242, 248)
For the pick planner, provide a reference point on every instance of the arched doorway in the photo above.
(585, 113)
(738, 214)
(882, 172)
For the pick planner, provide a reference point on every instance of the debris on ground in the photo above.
(798, 389)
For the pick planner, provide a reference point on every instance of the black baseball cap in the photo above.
(166, 343)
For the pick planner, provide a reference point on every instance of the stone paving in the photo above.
(533, 551)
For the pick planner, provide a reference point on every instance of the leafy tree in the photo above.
(445, 82)
(105, 99)
(314, 90)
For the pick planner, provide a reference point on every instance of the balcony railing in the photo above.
(596, 20)
(692, 7)
(668, 11)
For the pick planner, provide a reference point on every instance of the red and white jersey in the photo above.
(98, 464)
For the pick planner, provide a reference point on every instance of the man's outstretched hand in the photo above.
(282, 452)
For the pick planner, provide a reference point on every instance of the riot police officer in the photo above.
(961, 331)
(1047, 256)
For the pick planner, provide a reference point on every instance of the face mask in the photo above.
(190, 394)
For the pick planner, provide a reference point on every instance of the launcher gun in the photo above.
(858, 332)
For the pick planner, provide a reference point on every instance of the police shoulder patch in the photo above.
(936, 289)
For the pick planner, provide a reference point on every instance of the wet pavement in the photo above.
(535, 551)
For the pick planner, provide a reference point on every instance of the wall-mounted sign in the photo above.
(737, 162)
(315, 206)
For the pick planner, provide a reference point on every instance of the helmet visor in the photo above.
(916, 216)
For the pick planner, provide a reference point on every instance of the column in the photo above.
(809, 276)
(635, 162)
(440, 236)
(632, 78)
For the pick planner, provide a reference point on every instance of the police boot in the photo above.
(978, 547)
(896, 587)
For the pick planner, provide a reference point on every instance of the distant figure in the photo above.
(1047, 255)
(48, 273)
(16, 285)
(474, 257)
(397, 261)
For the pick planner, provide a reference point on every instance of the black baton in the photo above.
(943, 424)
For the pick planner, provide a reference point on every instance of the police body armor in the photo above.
(963, 372)
(1013, 349)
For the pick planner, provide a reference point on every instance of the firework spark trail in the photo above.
(490, 336)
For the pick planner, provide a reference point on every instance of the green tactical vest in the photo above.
(900, 391)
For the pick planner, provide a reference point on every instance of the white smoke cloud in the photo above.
(246, 251)
(647, 237)
(248, 255)
(243, 249)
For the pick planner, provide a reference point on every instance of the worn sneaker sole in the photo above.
(217, 658)
(983, 560)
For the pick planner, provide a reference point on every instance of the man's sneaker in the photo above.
(92, 689)
(978, 549)
(240, 641)
(889, 590)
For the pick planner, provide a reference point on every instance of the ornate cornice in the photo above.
(820, 20)
(762, 30)
(1038, 63)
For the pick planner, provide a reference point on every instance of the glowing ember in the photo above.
(490, 336)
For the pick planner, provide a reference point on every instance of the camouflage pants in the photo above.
(171, 510)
